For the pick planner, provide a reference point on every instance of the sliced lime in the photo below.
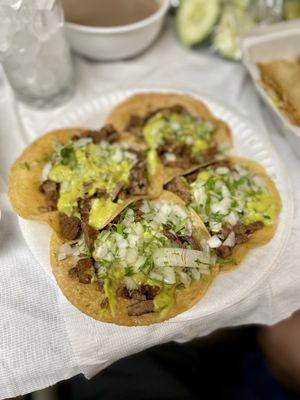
(195, 20)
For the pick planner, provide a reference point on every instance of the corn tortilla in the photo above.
(262, 236)
(26, 172)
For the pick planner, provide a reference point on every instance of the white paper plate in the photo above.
(229, 288)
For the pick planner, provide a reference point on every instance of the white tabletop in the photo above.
(37, 352)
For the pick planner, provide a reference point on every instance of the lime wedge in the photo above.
(195, 20)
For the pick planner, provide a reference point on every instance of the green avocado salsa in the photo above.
(182, 128)
(82, 167)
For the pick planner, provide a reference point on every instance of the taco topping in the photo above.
(140, 308)
(92, 167)
(81, 168)
(145, 253)
(70, 226)
(232, 201)
(180, 188)
(179, 138)
(107, 132)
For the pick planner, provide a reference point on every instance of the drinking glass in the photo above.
(34, 53)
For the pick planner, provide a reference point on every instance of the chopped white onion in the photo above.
(66, 250)
(200, 195)
(241, 170)
(169, 275)
(178, 210)
(170, 157)
(131, 255)
(259, 180)
(132, 240)
(184, 278)
(140, 262)
(122, 253)
(225, 191)
(145, 208)
(205, 247)
(164, 257)
(189, 140)
(232, 218)
(222, 170)
(81, 142)
(215, 226)
(46, 171)
(156, 276)
(122, 244)
(131, 156)
(230, 240)
(104, 235)
(138, 228)
(61, 256)
(108, 257)
(175, 125)
(130, 284)
(214, 242)
(222, 207)
(117, 156)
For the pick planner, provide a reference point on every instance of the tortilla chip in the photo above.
(143, 104)
(282, 77)
(87, 297)
(25, 179)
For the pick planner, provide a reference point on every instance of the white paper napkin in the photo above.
(106, 342)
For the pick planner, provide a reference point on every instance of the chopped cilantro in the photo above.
(68, 155)
(120, 228)
(128, 271)
(24, 165)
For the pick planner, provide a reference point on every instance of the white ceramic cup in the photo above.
(113, 43)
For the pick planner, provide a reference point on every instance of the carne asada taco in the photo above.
(180, 128)
(70, 174)
(149, 264)
(238, 203)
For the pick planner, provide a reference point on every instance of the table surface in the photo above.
(30, 358)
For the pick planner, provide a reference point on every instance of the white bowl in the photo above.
(119, 42)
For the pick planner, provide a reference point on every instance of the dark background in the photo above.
(229, 364)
